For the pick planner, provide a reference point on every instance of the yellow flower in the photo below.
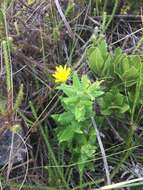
(62, 73)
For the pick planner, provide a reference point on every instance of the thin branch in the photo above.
(102, 152)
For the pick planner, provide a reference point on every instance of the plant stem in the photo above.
(102, 152)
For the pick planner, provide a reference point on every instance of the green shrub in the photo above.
(122, 75)
(74, 130)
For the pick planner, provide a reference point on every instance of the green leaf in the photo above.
(63, 118)
(118, 100)
(106, 111)
(103, 48)
(96, 61)
(88, 150)
(85, 82)
(122, 66)
(92, 136)
(125, 64)
(128, 70)
(125, 108)
(130, 75)
(66, 134)
(108, 67)
(76, 127)
(76, 81)
(80, 112)
(94, 90)
(70, 100)
(118, 59)
(135, 61)
(118, 56)
(67, 89)
(113, 101)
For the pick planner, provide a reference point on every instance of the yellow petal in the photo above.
(62, 73)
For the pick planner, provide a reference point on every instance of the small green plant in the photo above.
(122, 75)
(123, 85)
(74, 130)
